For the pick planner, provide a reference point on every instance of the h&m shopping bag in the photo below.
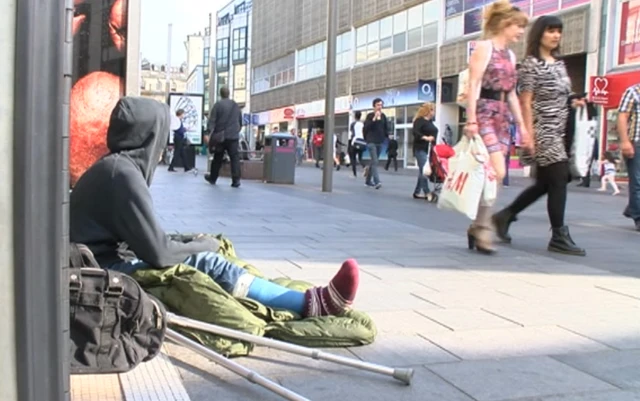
(465, 182)
(583, 143)
(490, 190)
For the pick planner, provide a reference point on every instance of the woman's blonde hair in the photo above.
(424, 110)
(500, 15)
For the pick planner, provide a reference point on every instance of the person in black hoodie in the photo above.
(376, 131)
(112, 213)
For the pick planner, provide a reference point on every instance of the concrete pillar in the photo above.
(8, 389)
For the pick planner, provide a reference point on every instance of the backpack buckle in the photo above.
(115, 286)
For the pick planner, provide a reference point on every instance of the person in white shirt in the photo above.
(357, 143)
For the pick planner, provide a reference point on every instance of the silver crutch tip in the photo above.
(404, 375)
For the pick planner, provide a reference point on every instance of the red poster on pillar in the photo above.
(99, 70)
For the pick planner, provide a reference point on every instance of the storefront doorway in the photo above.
(607, 92)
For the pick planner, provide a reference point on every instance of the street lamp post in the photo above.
(330, 96)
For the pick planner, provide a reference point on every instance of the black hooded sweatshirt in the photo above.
(111, 207)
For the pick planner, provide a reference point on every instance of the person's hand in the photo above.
(575, 103)
(527, 140)
(430, 139)
(376, 116)
(627, 149)
(471, 130)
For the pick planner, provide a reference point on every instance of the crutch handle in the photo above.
(404, 375)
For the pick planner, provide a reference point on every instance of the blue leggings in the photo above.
(233, 279)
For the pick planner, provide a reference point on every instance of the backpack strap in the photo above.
(81, 256)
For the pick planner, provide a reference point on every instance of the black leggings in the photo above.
(551, 180)
(355, 157)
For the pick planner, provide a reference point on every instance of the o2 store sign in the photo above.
(427, 91)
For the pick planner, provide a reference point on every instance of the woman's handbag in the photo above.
(426, 169)
(359, 144)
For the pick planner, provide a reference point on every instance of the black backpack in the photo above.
(114, 324)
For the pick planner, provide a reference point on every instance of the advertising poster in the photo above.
(472, 4)
(453, 7)
(573, 3)
(99, 71)
(542, 7)
(193, 107)
(473, 21)
(524, 5)
(629, 45)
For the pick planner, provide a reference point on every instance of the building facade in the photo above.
(618, 65)
(232, 56)
(195, 80)
(194, 45)
(403, 51)
(153, 81)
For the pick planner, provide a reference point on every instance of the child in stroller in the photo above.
(439, 162)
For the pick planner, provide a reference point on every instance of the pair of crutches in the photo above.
(403, 375)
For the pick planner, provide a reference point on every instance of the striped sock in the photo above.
(338, 296)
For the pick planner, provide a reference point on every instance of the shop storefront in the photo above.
(283, 119)
(310, 118)
(607, 92)
(400, 106)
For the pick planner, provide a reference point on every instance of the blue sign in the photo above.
(246, 119)
(427, 91)
(255, 119)
(452, 7)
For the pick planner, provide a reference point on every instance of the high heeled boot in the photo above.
(480, 233)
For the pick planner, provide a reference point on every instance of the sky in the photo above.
(187, 17)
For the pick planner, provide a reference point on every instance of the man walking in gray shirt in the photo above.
(225, 123)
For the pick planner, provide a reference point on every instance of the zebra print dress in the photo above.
(551, 87)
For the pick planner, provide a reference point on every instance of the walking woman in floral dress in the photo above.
(493, 102)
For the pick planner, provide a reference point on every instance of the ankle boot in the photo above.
(502, 220)
(479, 234)
(562, 242)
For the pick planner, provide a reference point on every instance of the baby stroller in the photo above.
(439, 156)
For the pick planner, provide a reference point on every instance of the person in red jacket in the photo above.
(318, 141)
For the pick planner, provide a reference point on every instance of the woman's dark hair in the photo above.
(538, 29)
(376, 101)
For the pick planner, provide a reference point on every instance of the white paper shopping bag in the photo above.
(465, 182)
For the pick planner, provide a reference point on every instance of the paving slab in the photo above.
(513, 342)
(466, 319)
(370, 387)
(621, 369)
(617, 395)
(513, 379)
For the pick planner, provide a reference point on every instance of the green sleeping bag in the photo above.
(192, 294)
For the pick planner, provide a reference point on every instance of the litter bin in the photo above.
(280, 159)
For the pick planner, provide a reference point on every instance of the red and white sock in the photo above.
(338, 296)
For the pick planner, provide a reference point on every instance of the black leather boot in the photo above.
(502, 220)
(562, 242)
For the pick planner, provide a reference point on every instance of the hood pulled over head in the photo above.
(139, 129)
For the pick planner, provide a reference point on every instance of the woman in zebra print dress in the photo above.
(545, 96)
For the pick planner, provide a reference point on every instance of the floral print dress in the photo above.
(494, 117)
